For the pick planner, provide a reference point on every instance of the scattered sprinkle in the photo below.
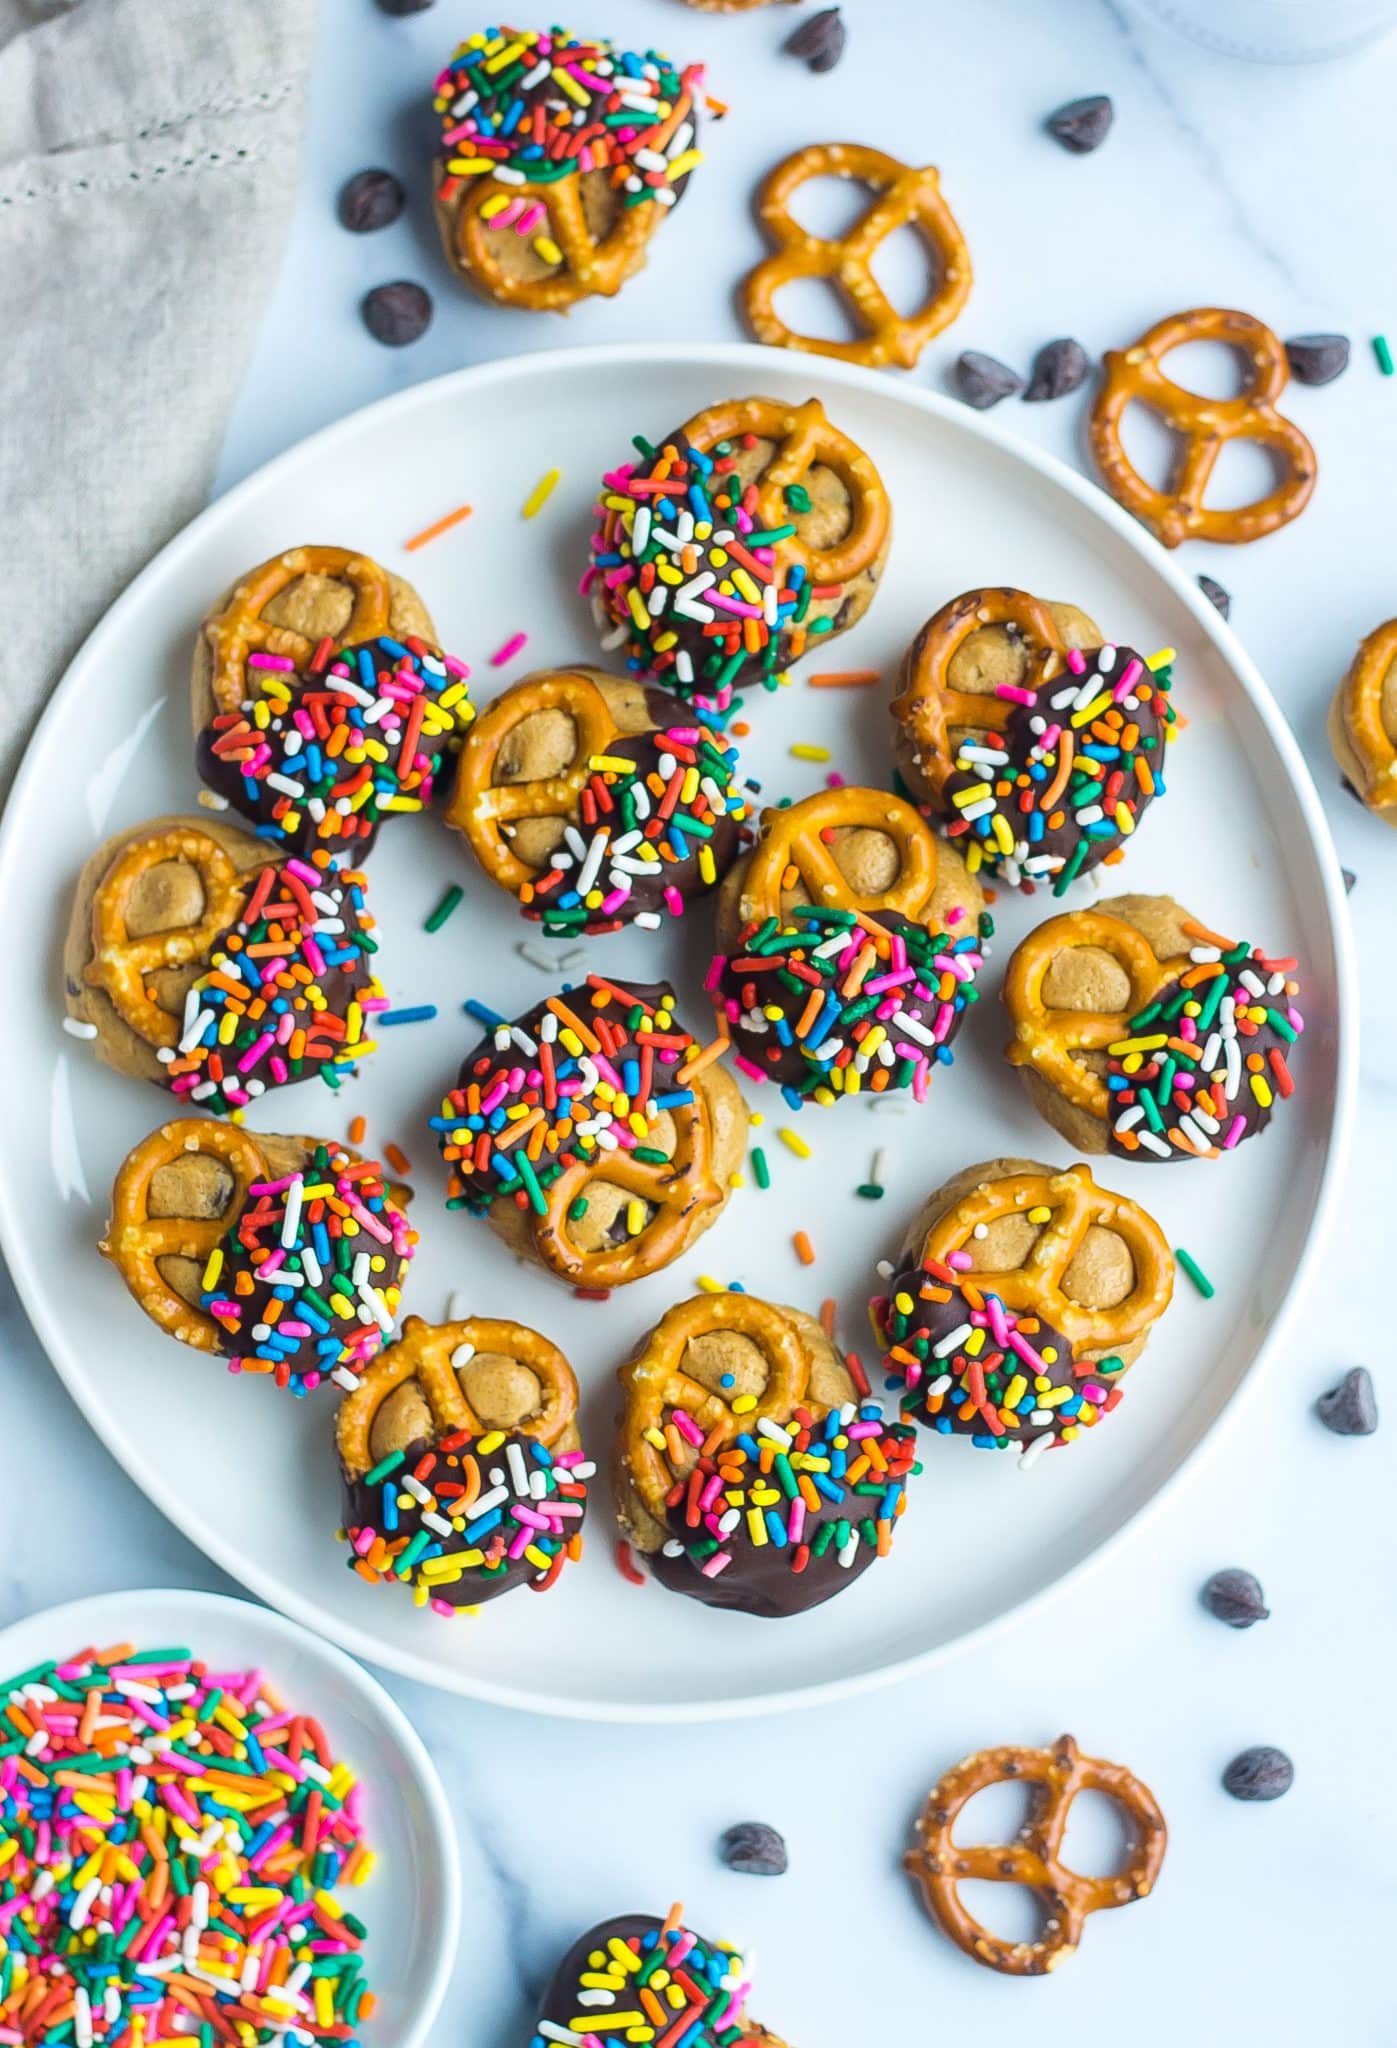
(397, 1159)
(760, 1169)
(541, 493)
(1383, 354)
(1195, 1273)
(444, 909)
(805, 1251)
(803, 750)
(437, 528)
(793, 1142)
(845, 679)
(511, 647)
(422, 1013)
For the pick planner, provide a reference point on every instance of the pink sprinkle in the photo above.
(1234, 1133)
(959, 1262)
(687, 1427)
(1128, 678)
(1076, 661)
(711, 979)
(509, 650)
(1092, 1392)
(277, 661)
(752, 1073)
(720, 1561)
(1015, 694)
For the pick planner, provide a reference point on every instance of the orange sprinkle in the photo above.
(805, 1251)
(397, 1159)
(437, 528)
(845, 679)
(357, 1127)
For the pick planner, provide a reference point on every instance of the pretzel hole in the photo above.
(164, 898)
(1099, 1839)
(197, 1185)
(830, 208)
(607, 1220)
(1245, 469)
(1100, 1276)
(715, 1355)
(504, 1392)
(540, 748)
(830, 517)
(313, 606)
(1209, 369)
(1009, 1913)
(1086, 978)
(404, 1419)
(995, 1813)
(816, 307)
(909, 270)
(868, 859)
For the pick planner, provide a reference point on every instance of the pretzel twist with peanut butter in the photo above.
(794, 849)
(481, 807)
(588, 267)
(424, 1353)
(1072, 1204)
(677, 1189)
(1045, 1038)
(136, 1241)
(241, 628)
(804, 440)
(941, 1864)
(1366, 742)
(1203, 426)
(120, 964)
(929, 707)
(906, 198)
(655, 1382)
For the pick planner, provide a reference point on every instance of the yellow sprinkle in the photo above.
(1161, 659)
(708, 867)
(973, 795)
(793, 1142)
(1124, 1045)
(567, 84)
(213, 1269)
(546, 485)
(1125, 824)
(756, 1527)
(744, 1404)
(635, 1216)
(469, 167)
(616, 763)
(547, 248)
(1040, 1215)
(1015, 1391)
(1261, 1089)
(1092, 710)
(803, 751)
(680, 166)
(1004, 837)
(710, 1285)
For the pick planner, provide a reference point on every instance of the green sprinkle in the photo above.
(1383, 354)
(1195, 1273)
(870, 1191)
(797, 498)
(760, 1167)
(444, 908)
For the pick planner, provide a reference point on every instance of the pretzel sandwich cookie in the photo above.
(941, 1864)
(1036, 746)
(639, 1978)
(904, 197)
(285, 1255)
(1363, 723)
(752, 1472)
(745, 540)
(462, 1470)
(559, 158)
(1019, 1297)
(196, 961)
(849, 942)
(598, 801)
(1202, 427)
(1141, 1032)
(595, 1134)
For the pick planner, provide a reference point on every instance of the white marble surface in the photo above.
(1260, 188)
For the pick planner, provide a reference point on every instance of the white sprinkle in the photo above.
(75, 1028)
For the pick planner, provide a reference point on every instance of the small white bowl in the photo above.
(412, 1902)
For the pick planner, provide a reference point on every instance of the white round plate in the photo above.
(408, 1954)
(1240, 839)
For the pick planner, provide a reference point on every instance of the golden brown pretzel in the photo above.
(1203, 427)
(1045, 1035)
(655, 1382)
(241, 628)
(941, 1864)
(1363, 722)
(680, 1189)
(906, 198)
(480, 806)
(424, 1354)
(1065, 1208)
(793, 852)
(930, 709)
(137, 1240)
(600, 243)
(121, 964)
(804, 440)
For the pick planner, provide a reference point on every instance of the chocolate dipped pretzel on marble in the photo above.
(462, 1469)
(1141, 1032)
(285, 1255)
(1363, 723)
(941, 1863)
(745, 540)
(722, 1388)
(639, 1978)
(599, 802)
(559, 158)
(196, 961)
(848, 947)
(594, 1133)
(289, 606)
(1037, 748)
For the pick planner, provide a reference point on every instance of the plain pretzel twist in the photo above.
(1056, 1775)
(121, 963)
(906, 198)
(1360, 713)
(242, 628)
(1204, 426)
(1045, 1038)
(1076, 1205)
(136, 1241)
(656, 1382)
(424, 1353)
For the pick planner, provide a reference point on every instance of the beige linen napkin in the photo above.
(148, 161)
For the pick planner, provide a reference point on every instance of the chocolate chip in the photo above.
(1317, 358)
(1234, 1596)
(1351, 1408)
(1083, 125)
(983, 380)
(754, 1850)
(1059, 367)
(1349, 879)
(820, 40)
(396, 314)
(1260, 1773)
(404, 6)
(1216, 595)
(371, 200)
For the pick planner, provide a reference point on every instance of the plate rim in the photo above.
(421, 1766)
(286, 1601)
